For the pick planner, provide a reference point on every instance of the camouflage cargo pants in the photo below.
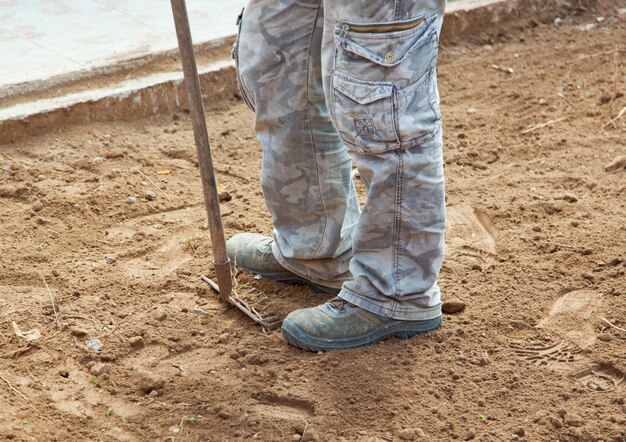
(333, 82)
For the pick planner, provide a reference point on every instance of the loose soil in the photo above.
(92, 249)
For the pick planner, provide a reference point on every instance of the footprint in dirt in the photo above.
(570, 318)
(470, 234)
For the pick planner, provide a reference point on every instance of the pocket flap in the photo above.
(360, 91)
(387, 48)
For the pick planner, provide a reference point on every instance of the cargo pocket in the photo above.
(364, 115)
(383, 84)
(246, 95)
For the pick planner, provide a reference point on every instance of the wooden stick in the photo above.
(154, 184)
(620, 115)
(612, 325)
(542, 125)
(54, 308)
(15, 390)
(203, 148)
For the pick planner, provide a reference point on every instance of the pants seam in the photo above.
(398, 222)
(317, 175)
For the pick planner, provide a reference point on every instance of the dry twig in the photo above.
(15, 390)
(613, 120)
(612, 325)
(155, 185)
(54, 308)
(542, 125)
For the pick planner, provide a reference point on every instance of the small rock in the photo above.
(471, 435)
(543, 102)
(37, 206)
(149, 195)
(224, 196)
(224, 414)
(309, 436)
(479, 165)
(223, 338)
(589, 27)
(471, 110)
(78, 332)
(484, 360)
(407, 434)
(556, 422)
(296, 437)
(569, 197)
(148, 381)
(605, 338)
(131, 200)
(99, 369)
(453, 306)
(159, 314)
(558, 22)
(586, 252)
(575, 223)
(420, 433)
(94, 344)
(111, 259)
(520, 432)
(300, 427)
(616, 164)
(136, 342)
(573, 420)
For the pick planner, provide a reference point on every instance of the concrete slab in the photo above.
(44, 39)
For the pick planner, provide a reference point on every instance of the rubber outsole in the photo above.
(291, 278)
(295, 336)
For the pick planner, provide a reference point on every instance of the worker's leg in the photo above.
(306, 169)
(379, 73)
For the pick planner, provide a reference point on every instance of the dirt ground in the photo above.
(91, 249)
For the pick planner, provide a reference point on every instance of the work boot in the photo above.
(253, 252)
(339, 325)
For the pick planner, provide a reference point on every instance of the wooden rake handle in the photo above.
(203, 147)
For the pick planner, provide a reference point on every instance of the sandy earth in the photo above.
(535, 249)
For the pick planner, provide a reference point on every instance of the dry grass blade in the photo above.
(155, 185)
(542, 125)
(15, 390)
(54, 307)
(612, 325)
(613, 120)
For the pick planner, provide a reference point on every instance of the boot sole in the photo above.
(295, 336)
(291, 278)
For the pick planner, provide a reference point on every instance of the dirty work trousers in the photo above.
(336, 82)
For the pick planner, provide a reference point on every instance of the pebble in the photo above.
(520, 432)
(575, 223)
(407, 434)
(479, 165)
(573, 420)
(131, 200)
(223, 338)
(471, 110)
(453, 306)
(159, 314)
(471, 435)
(224, 196)
(149, 195)
(558, 22)
(295, 437)
(484, 360)
(148, 381)
(37, 206)
(111, 259)
(136, 342)
(78, 332)
(616, 164)
(310, 436)
(420, 433)
(569, 197)
(99, 369)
